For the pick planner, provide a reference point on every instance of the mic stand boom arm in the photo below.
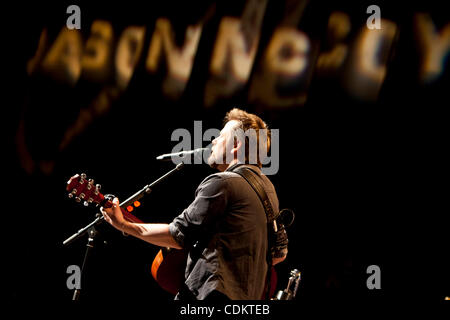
(99, 218)
(148, 188)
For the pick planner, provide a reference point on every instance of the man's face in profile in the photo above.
(222, 146)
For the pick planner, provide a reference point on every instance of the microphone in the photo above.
(168, 156)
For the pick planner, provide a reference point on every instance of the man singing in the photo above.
(225, 228)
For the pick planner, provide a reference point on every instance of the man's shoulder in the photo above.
(220, 182)
(220, 177)
(231, 177)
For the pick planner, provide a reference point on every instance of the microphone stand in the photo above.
(89, 247)
(99, 218)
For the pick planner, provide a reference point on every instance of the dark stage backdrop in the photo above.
(361, 114)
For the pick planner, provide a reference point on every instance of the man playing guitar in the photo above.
(225, 229)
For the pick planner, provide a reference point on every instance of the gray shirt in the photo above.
(225, 231)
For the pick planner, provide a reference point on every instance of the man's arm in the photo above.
(154, 233)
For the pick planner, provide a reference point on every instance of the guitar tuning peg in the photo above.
(91, 181)
(77, 199)
(98, 186)
(83, 176)
(70, 195)
(82, 195)
(85, 203)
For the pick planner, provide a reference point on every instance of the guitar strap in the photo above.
(254, 182)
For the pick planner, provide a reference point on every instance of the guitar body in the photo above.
(168, 269)
(273, 284)
(169, 266)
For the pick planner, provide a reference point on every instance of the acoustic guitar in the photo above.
(169, 264)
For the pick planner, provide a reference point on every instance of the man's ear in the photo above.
(237, 147)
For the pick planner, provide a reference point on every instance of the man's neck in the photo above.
(225, 166)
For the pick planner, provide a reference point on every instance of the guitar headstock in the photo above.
(82, 189)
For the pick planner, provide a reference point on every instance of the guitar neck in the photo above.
(107, 203)
(130, 217)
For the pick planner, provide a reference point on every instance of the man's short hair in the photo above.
(255, 129)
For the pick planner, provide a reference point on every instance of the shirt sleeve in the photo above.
(197, 220)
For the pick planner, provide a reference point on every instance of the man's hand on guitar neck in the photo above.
(154, 233)
(114, 215)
